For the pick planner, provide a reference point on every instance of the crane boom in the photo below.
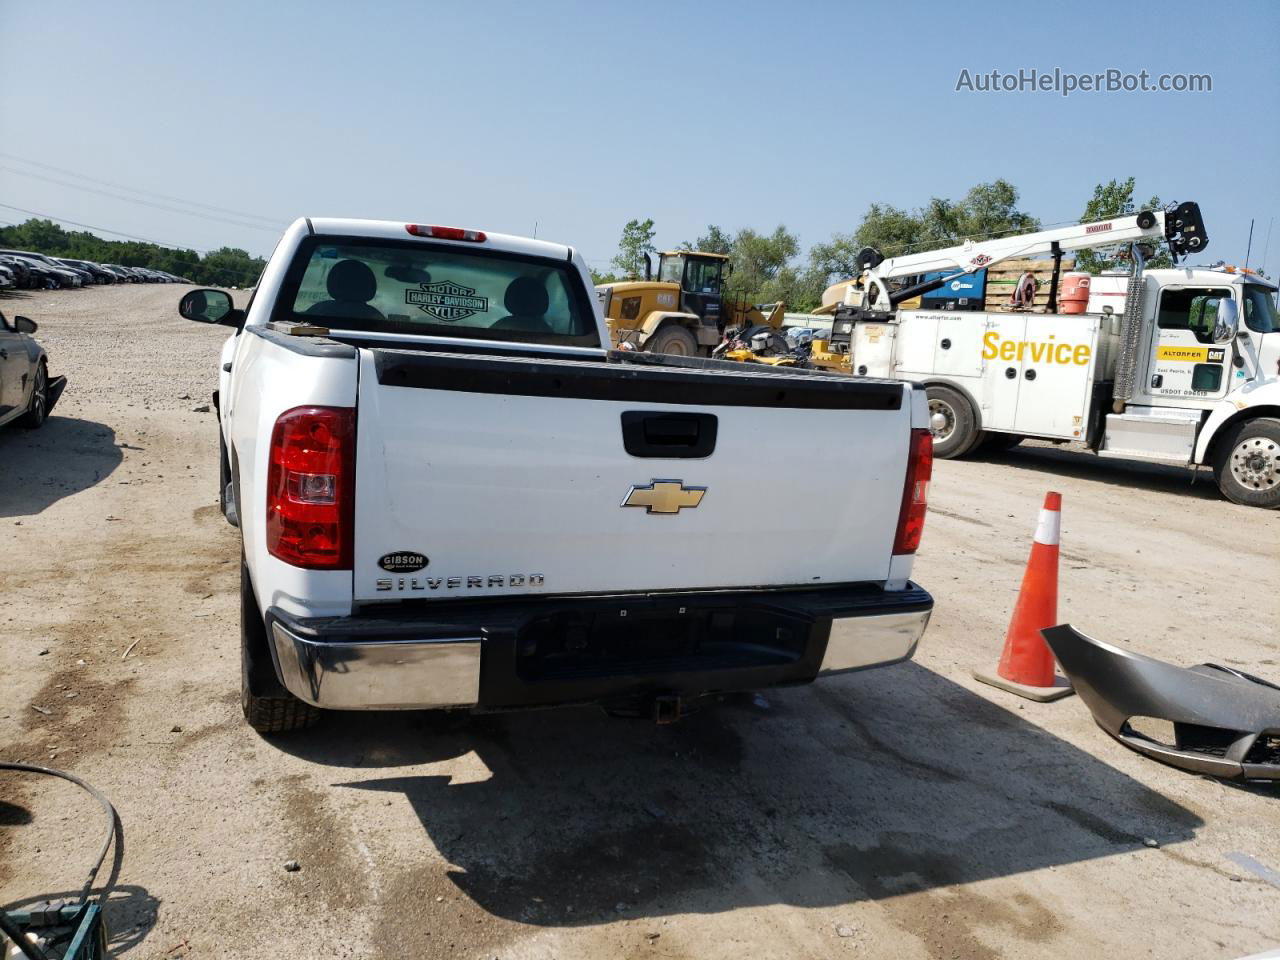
(1181, 225)
(976, 255)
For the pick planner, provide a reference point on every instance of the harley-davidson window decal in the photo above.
(446, 300)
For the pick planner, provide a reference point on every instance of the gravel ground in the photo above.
(907, 812)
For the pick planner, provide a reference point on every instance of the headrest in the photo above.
(351, 280)
(526, 297)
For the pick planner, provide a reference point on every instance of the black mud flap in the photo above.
(1222, 722)
(53, 391)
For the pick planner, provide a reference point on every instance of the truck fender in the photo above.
(658, 318)
(1250, 401)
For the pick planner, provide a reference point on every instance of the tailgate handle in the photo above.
(662, 434)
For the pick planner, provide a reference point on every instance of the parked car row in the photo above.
(24, 270)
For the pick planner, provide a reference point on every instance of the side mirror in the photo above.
(209, 306)
(1227, 323)
(23, 325)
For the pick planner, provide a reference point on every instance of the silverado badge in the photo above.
(664, 496)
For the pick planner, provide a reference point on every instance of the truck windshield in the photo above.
(1260, 309)
(386, 286)
(672, 270)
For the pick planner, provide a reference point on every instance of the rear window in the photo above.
(386, 286)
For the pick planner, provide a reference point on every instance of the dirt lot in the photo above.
(907, 812)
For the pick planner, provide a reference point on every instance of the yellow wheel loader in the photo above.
(683, 311)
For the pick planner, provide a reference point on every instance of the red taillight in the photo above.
(310, 487)
(445, 233)
(915, 496)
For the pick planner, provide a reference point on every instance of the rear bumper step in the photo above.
(489, 655)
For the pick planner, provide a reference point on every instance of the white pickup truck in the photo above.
(452, 494)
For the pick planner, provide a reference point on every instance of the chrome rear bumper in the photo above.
(545, 651)
(394, 675)
(859, 643)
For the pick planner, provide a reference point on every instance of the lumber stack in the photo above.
(1002, 280)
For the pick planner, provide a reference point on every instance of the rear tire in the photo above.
(1247, 467)
(952, 422)
(267, 705)
(674, 340)
(38, 411)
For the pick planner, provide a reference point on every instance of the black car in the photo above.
(57, 274)
(122, 273)
(27, 392)
(99, 273)
(40, 275)
(24, 278)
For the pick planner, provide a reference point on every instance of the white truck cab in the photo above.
(450, 493)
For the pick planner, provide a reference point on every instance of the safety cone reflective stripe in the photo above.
(1049, 529)
(1026, 664)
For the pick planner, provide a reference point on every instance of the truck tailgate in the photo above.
(509, 475)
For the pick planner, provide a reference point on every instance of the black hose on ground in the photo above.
(97, 795)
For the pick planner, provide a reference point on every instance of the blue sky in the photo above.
(579, 116)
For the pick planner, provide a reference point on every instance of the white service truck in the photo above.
(1187, 372)
(450, 493)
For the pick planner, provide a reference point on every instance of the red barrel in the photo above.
(1074, 295)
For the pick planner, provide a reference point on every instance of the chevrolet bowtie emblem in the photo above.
(664, 496)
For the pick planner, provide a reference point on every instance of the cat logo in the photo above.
(664, 496)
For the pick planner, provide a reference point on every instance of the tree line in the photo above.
(225, 267)
(767, 266)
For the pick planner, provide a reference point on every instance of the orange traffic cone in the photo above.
(1026, 666)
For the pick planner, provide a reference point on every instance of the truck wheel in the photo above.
(1248, 464)
(39, 408)
(952, 423)
(674, 340)
(267, 705)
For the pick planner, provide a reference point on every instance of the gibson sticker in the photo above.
(446, 300)
(403, 561)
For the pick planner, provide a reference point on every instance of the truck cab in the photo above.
(699, 278)
(1213, 332)
(1207, 385)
